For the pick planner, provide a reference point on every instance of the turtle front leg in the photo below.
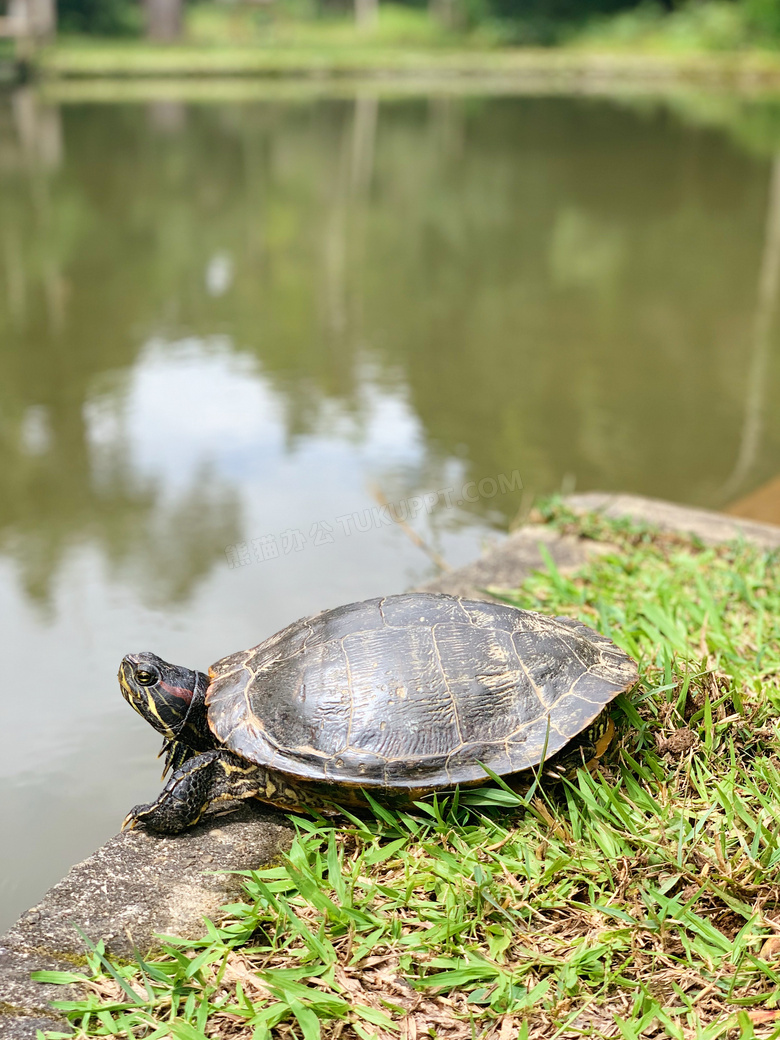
(203, 781)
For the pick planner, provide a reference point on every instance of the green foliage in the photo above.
(521, 21)
(548, 21)
(763, 17)
(691, 24)
(640, 896)
(696, 25)
(100, 17)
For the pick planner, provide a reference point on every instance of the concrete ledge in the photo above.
(26, 1028)
(135, 886)
(24, 1004)
(138, 884)
(705, 524)
(509, 563)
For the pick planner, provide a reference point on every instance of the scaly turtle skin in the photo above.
(398, 696)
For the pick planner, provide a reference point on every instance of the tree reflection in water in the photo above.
(556, 286)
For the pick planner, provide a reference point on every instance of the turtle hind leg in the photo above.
(584, 752)
(204, 780)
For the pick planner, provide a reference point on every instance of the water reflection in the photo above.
(225, 322)
(766, 307)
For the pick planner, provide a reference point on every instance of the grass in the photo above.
(642, 901)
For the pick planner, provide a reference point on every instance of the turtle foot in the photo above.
(135, 818)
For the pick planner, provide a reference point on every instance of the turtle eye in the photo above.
(146, 678)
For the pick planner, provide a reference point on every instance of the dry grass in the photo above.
(642, 901)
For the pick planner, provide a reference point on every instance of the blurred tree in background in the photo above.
(718, 24)
(117, 17)
(163, 19)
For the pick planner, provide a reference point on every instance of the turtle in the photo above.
(397, 697)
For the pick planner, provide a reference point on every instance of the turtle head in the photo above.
(160, 692)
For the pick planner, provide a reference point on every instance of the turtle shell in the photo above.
(414, 691)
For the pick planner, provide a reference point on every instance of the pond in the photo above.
(250, 344)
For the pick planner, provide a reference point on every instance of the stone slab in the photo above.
(709, 526)
(508, 564)
(20, 996)
(25, 1027)
(135, 886)
(139, 884)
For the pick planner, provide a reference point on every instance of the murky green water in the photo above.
(227, 328)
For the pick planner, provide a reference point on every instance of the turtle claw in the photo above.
(133, 819)
(176, 754)
(181, 803)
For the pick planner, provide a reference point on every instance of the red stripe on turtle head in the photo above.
(181, 692)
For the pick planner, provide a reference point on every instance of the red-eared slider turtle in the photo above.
(398, 696)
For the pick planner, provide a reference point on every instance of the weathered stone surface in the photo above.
(509, 563)
(18, 993)
(136, 885)
(139, 883)
(668, 516)
(25, 1027)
